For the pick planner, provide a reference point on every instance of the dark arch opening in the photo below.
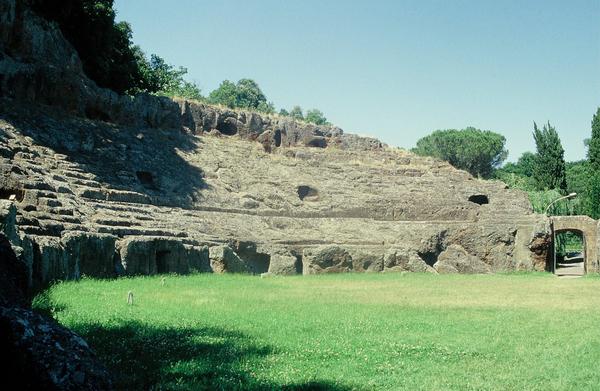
(277, 138)
(12, 194)
(569, 252)
(227, 127)
(162, 265)
(307, 192)
(479, 199)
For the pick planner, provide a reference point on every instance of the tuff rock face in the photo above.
(104, 185)
(38, 352)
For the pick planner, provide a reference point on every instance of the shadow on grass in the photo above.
(146, 357)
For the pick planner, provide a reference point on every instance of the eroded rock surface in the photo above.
(39, 353)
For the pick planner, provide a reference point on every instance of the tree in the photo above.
(593, 196)
(104, 47)
(477, 151)
(245, 94)
(225, 95)
(549, 170)
(524, 165)
(518, 175)
(594, 142)
(249, 95)
(296, 113)
(316, 117)
(284, 112)
(107, 52)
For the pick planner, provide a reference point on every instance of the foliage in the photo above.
(540, 199)
(296, 113)
(164, 79)
(107, 52)
(284, 113)
(593, 196)
(523, 166)
(245, 94)
(594, 142)
(477, 151)
(104, 46)
(518, 175)
(549, 170)
(209, 331)
(316, 117)
(568, 242)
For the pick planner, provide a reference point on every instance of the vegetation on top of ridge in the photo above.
(110, 58)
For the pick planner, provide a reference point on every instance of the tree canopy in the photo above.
(107, 52)
(245, 94)
(476, 151)
(549, 170)
(594, 142)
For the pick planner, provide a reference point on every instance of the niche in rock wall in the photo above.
(146, 178)
(12, 194)
(227, 127)
(277, 138)
(307, 193)
(94, 113)
(162, 265)
(479, 199)
(257, 262)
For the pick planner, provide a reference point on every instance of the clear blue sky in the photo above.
(395, 69)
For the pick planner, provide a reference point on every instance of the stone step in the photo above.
(139, 231)
(38, 185)
(33, 230)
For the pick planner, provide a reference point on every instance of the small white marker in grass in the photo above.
(130, 298)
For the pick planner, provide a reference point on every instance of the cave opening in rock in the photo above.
(479, 199)
(307, 192)
(256, 261)
(430, 257)
(277, 137)
(12, 194)
(162, 265)
(146, 178)
(227, 128)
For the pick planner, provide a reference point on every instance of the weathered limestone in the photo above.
(223, 259)
(284, 264)
(94, 253)
(403, 259)
(329, 259)
(151, 255)
(456, 259)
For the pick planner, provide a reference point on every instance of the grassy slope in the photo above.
(363, 331)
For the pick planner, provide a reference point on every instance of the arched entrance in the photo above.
(574, 244)
(569, 253)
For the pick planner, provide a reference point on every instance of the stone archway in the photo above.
(588, 228)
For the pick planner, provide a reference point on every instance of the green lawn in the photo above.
(340, 332)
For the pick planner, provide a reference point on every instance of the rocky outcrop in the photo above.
(456, 259)
(224, 260)
(39, 353)
(331, 259)
(46, 356)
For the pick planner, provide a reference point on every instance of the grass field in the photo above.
(340, 332)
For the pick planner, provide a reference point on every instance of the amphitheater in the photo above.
(103, 185)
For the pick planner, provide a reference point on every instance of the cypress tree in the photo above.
(594, 143)
(593, 186)
(549, 170)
